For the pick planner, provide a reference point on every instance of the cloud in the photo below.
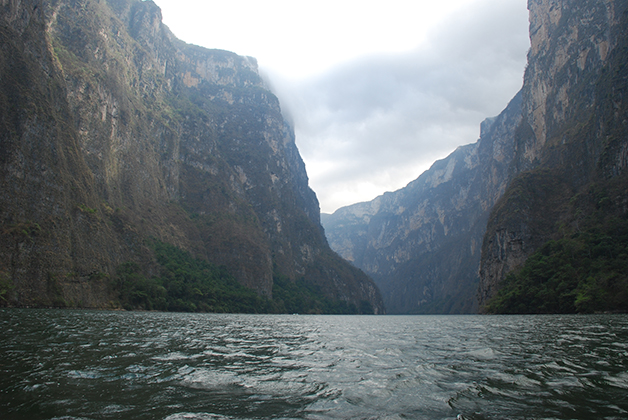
(376, 123)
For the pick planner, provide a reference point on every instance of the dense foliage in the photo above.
(585, 271)
(185, 284)
(188, 284)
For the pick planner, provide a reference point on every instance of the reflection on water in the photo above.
(112, 365)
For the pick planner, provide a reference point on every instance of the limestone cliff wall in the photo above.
(573, 133)
(115, 132)
(570, 42)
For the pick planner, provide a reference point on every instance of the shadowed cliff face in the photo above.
(573, 136)
(114, 132)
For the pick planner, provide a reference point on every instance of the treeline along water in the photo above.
(133, 365)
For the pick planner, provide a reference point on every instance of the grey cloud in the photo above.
(384, 119)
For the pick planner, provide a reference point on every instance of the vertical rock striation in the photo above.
(114, 132)
(573, 135)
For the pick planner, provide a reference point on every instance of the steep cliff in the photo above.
(542, 194)
(114, 134)
(569, 163)
(422, 243)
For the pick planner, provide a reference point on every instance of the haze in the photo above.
(376, 91)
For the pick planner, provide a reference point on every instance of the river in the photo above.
(66, 364)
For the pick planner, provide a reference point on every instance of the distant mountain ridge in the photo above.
(114, 134)
(447, 241)
(422, 244)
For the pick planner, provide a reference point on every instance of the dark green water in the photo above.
(116, 365)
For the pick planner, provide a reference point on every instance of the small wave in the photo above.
(196, 416)
(619, 381)
(482, 354)
(84, 374)
(239, 355)
(203, 378)
(176, 355)
(115, 409)
(70, 418)
(560, 367)
(34, 387)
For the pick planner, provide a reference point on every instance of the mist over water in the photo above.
(114, 365)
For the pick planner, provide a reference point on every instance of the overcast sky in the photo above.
(376, 90)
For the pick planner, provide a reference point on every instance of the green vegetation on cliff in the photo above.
(185, 284)
(584, 271)
(188, 284)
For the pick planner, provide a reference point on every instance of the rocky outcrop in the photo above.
(573, 134)
(113, 132)
(422, 243)
(571, 42)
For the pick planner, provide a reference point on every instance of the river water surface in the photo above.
(58, 364)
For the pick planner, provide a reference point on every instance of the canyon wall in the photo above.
(114, 133)
(447, 241)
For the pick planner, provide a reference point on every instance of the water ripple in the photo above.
(110, 365)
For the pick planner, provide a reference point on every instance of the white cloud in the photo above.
(303, 38)
(376, 123)
(377, 90)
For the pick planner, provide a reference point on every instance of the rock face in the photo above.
(422, 243)
(451, 236)
(113, 132)
(574, 132)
